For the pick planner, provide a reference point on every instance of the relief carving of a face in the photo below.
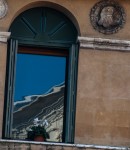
(107, 17)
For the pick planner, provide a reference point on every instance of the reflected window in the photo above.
(40, 89)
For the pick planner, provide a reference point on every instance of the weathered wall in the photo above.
(103, 101)
(3, 48)
(103, 94)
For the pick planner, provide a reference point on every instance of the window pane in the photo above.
(39, 93)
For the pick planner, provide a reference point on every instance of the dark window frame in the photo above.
(69, 126)
(50, 29)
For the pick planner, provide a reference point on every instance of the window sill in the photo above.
(19, 143)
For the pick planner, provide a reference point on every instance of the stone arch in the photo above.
(43, 24)
(51, 29)
(52, 5)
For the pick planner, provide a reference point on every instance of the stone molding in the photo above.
(104, 44)
(4, 36)
(60, 145)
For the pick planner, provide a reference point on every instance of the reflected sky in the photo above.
(36, 74)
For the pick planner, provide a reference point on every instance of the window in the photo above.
(41, 74)
(40, 89)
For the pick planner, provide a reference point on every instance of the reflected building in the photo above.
(48, 107)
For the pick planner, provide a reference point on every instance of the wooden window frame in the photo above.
(69, 126)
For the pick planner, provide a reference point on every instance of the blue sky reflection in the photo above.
(36, 74)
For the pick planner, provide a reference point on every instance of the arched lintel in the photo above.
(53, 5)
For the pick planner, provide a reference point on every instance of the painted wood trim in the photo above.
(4, 36)
(104, 44)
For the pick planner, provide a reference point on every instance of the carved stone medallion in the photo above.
(3, 8)
(107, 16)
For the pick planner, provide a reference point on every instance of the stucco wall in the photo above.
(103, 94)
(103, 101)
(3, 48)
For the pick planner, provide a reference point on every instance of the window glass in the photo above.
(39, 93)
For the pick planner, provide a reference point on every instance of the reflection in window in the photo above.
(39, 93)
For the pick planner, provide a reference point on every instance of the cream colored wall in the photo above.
(3, 51)
(103, 94)
(103, 101)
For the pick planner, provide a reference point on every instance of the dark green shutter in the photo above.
(10, 86)
(71, 95)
